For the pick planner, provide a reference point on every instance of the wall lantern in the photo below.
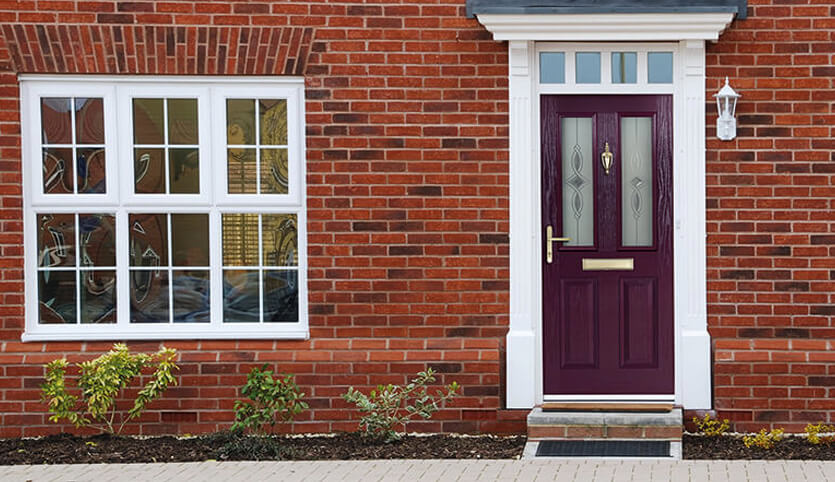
(726, 105)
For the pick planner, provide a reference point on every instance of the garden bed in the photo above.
(730, 447)
(65, 449)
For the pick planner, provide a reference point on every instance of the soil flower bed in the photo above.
(730, 447)
(65, 449)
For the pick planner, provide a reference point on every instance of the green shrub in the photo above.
(388, 407)
(269, 398)
(813, 434)
(101, 381)
(763, 439)
(711, 427)
(235, 445)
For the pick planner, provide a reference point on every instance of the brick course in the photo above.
(408, 202)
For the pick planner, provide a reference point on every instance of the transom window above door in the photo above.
(163, 208)
(587, 68)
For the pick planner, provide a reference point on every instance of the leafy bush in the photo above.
(269, 398)
(388, 406)
(813, 434)
(763, 439)
(235, 445)
(711, 427)
(101, 381)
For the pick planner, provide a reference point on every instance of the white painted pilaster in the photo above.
(693, 380)
(523, 349)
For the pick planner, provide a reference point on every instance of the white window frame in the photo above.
(120, 198)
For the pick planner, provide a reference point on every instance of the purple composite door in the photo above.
(608, 290)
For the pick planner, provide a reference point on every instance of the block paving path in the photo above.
(579, 470)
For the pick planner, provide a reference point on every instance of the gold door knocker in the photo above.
(607, 158)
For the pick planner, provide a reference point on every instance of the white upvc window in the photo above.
(164, 207)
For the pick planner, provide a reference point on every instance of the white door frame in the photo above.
(688, 32)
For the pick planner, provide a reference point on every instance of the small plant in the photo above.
(269, 398)
(387, 407)
(764, 440)
(101, 381)
(813, 434)
(711, 427)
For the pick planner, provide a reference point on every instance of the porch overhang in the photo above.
(573, 7)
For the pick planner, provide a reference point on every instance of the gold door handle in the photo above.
(549, 243)
(607, 158)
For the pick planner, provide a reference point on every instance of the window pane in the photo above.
(56, 123)
(57, 170)
(89, 121)
(240, 239)
(660, 67)
(190, 239)
(182, 121)
(274, 166)
(577, 181)
(552, 67)
(588, 67)
(149, 171)
(240, 121)
(273, 121)
(148, 239)
(281, 296)
(148, 121)
(97, 236)
(90, 169)
(149, 296)
(98, 296)
(191, 296)
(241, 174)
(636, 181)
(240, 296)
(279, 238)
(56, 297)
(184, 171)
(56, 240)
(624, 67)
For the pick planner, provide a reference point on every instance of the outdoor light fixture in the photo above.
(726, 105)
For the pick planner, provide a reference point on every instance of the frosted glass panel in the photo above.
(552, 67)
(588, 67)
(624, 67)
(636, 181)
(577, 181)
(660, 67)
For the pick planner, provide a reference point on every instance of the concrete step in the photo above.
(604, 425)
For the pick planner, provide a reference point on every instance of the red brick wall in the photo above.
(771, 218)
(407, 196)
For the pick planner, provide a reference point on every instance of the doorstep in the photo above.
(590, 425)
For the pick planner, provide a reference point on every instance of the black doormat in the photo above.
(603, 448)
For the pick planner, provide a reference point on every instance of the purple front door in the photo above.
(608, 285)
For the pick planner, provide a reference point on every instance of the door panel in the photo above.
(579, 324)
(639, 326)
(608, 329)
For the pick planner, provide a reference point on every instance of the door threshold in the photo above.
(567, 406)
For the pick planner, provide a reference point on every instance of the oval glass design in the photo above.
(636, 181)
(577, 181)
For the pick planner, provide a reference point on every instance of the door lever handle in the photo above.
(549, 243)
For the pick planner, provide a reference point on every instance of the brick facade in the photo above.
(771, 218)
(408, 203)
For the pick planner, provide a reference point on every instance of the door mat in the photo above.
(603, 448)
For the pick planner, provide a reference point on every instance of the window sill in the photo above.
(301, 334)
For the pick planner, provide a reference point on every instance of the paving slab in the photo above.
(563, 470)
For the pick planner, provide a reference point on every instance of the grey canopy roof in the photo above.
(475, 7)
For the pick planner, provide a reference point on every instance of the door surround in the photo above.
(524, 339)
